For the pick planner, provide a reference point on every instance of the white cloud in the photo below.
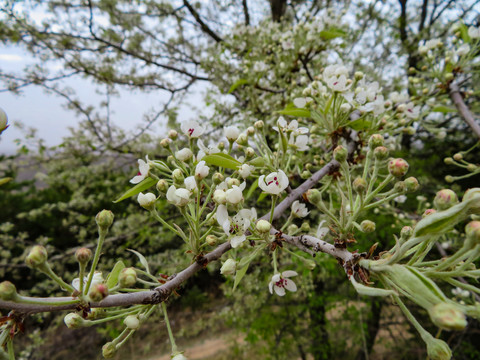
(10, 57)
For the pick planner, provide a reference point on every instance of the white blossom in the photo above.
(280, 282)
(184, 154)
(201, 170)
(412, 111)
(290, 127)
(146, 200)
(245, 170)
(474, 32)
(236, 226)
(234, 195)
(336, 77)
(178, 197)
(321, 230)
(143, 169)
(300, 143)
(190, 183)
(232, 133)
(463, 50)
(299, 209)
(400, 199)
(274, 183)
(96, 279)
(302, 102)
(192, 129)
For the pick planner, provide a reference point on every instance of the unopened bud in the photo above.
(147, 201)
(232, 182)
(367, 226)
(242, 139)
(314, 196)
(472, 167)
(400, 187)
(98, 292)
(250, 131)
(458, 156)
(8, 291)
(177, 176)
(397, 167)
(470, 194)
(127, 277)
(220, 197)
(428, 212)
(162, 186)
(249, 153)
(340, 153)
(306, 175)
(221, 145)
(83, 255)
(449, 179)
(448, 316)
(37, 256)
(472, 232)
(305, 227)
(380, 153)
(259, 125)
(165, 143)
(211, 240)
(411, 184)
(132, 322)
(359, 185)
(173, 134)
(109, 350)
(3, 121)
(310, 264)
(263, 226)
(445, 199)
(406, 232)
(73, 321)
(229, 267)
(449, 76)
(184, 154)
(217, 178)
(448, 161)
(375, 141)
(358, 75)
(292, 229)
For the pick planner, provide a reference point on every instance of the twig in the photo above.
(463, 109)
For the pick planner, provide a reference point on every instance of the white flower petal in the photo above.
(280, 291)
(289, 273)
(290, 285)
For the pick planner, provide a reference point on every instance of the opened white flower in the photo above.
(412, 111)
(321, 230)
(143, 169)
(236, 226)
(299, 209)
(302, 102)
(190, 183)
(231, 133)
(336, 77)
(474, 32)
(463, 50)
(184, 154)
(280, 282)
(235, 193)
(178, 197)
(204, 150)
(147, 200)
(400, 199)
(273, 183)
(245, 170)
(192, 129)
(300, 143)
(97, 279)
(201, 170)
(290, 127)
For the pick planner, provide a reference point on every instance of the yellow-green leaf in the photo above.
(142, 186)
(222, 160)
(295, 112)
(444, 109)
(236, 84)
(112, 278)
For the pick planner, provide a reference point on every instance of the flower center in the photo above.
(274, 181)
(281, 283)
(190, 131)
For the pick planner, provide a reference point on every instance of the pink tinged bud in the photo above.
(472, 231)
(83, 255)
(8, 291)
(73, 321)
(411, 184)
(428, 212)
(98, 292)
(448, 316)
(127, 277)
(104, 219)
(380, 153)
(37, 256)
(375, 141)
(445, 199)
(397, 167)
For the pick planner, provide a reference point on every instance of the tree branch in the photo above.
(200, 22)
(245, 12)
(463, 109)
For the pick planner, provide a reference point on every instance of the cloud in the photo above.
(10, 57)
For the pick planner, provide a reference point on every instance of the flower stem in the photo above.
(170, 334)
(101, 238)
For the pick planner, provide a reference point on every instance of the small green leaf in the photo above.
(252, 188)
(142, 186)
(444, 109)
(5, 180)
(464, 33)
(142, 259)
(332, 33)
(295, 112)
(370, 291)
(244, 263)
(112, 278)
(222, 160)
(360, 124)
(236, 84)
(239, 275)
(258, 161)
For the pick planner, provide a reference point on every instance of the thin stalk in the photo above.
(101, 238)
(170, 334)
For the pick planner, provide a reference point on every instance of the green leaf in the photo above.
(295, 112)
(370, 291)
(112, 278)
(142, 259)
(5, 180)
(142, 186)
(236, 84)
(360, 124)
(258, 161)
(244, 263)
(464, 33)
(444, 109)
(239, 275)
(222, 160)
(262, 196)
(332, 33)
(252, 188)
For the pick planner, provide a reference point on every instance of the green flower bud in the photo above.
(380, 153)
(162, 186)
(98, 292)
(359, 185)
(3, 121)
(249, 153)
(437, 349)
(358, 75)
(109, 350)
(458, 157)
(165, 143)
(305, 227)
(406, 233)
(104, 219)
(173, 134)
(340, 153)
(259, 125)
(448, 161)
(229, 267)
(449, 179)
(83, 255)
(471, 195)
(305, 174)
(127, 277)
(177, 176)
(472, 231)
(242, 139)
(397, 167)
(73, 321)
(217, 178)
(448, 316)
(411, 184)
(221, 145)
(472, 167)
(310, 264)
(400, 186)
(132, 322)
(292, 229)
(445, 199)
(232, 182)
(8, 291)
(37, 256)
(367, 226)
(211, 240)
(250, 131)
(314, 196)
(263, 226)
(375, 141)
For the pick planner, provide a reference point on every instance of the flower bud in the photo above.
(263, 226)
(177, 176)
(104, 219)
(472, 167)
(165, 143)
(98, 292)
(448, 316)
(3, 121)
(37, 256)
(132, 322)
(359, 185)
(358, 75)
(109, 350)
(292, 229)
(458, 156)
(250, 131)
(232, 182)
(220, 197)
(173, 134)
(217, 178)
(397, 167)
(472, 231)
(73, 320)
(305, 227)
(449, 178)
(211, 240)
(380, 153)
(367, 226)
(400, 187)
(184, 154)
(249, 153)
(259, 125)
(127, 277)
(8, 291)
(242, 139)
(162, 186)
(83, 255)
(411, 184)
(471, 194)
(306, 175)
(179, 357)
(445, 199)
(221, 145)
(314, 196)
(407, 232)
(340, 153)
(375, 141)
(229, 267)
(147, 201)
(428, 212)
(401, 108)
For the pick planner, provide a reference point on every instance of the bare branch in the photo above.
(463, 109)
(200, 22)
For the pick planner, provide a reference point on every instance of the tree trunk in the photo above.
(320, 348)
(278, 8)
